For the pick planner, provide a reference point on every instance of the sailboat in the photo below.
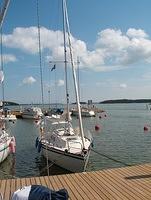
(7, 142)
(59, 142)
(4, 113)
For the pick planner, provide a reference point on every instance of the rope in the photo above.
(51, 164)
(40, 55)
(110, 158)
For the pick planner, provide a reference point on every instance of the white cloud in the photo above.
(29, 80)
(113, 49)
(139, 33)
(123, 85)
(9, 58)
(60, 82)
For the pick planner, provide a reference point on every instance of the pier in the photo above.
(127, 183)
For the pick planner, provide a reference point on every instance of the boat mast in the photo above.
(65, 62)
(3, 12)
(74, 75)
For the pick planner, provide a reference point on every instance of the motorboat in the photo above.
(85, 112)
(32, 113)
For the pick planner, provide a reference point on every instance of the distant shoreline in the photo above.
(125, 101)
(115, 101)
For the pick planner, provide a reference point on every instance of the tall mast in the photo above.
(74, 75)
(65, 62)
(3, 12)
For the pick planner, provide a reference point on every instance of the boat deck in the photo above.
(125, 183)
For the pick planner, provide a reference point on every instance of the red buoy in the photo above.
(146, 128)
(97, 127)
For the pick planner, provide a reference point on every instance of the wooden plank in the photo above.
(54, 185)
(33, 181)
(2, 187)
(48, 182)
(86, 186)
(7, 189)
(37, 180)
(80, 187)
(69, 187)
(18, 183)
(13, 186)
(126, 186)
(59, 183)
(43, 182)
(139, 183)
(111, 186)
(97, 187)
(28, 181)
(23, 182)
(129, 183)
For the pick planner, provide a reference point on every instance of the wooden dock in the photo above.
(128, 183)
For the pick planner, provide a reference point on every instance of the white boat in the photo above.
(6, 115)
(63, 145)
(85, 112)
(7, 143)
(59, 142)
(32, 113)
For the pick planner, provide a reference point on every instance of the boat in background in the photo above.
(32, 113)
(7, 115)
(7, 142)
(85, 112)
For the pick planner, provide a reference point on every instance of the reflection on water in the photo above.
(121, 136)
(7, 168)
(53, 169)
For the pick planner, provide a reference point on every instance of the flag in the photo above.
(54, 67)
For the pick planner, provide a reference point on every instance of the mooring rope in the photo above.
(49, 166)
(110, 158)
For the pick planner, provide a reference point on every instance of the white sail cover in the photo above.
(1, 76)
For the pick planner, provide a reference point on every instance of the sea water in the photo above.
(120, 141)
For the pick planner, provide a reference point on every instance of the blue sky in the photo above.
(112, 39)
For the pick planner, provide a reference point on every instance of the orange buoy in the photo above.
(97, 127)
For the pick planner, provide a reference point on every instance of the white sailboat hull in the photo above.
(4, 150)
(68, 161)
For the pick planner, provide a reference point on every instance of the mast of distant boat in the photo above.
(66, 26)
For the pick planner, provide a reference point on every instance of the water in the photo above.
(121, 136)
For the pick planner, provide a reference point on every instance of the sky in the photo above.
(110, 38)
